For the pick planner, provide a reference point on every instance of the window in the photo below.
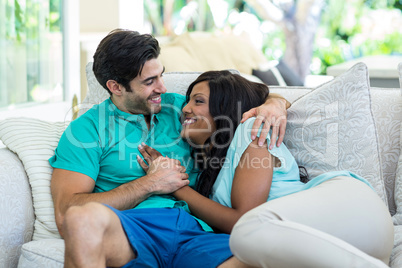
(31, 52)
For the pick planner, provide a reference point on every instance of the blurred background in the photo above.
(45, 44)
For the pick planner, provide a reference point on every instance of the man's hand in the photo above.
(273, 114)
(167, 174)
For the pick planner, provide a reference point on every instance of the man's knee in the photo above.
(85, 218)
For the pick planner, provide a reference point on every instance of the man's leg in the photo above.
(94, 237)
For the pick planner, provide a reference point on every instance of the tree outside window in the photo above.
(31, 52)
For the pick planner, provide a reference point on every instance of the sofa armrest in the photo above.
(16, 210)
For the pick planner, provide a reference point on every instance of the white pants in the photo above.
(339, 223)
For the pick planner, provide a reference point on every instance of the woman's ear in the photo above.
(114, 87)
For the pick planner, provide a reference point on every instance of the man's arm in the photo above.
(281, 98)
(71, 188)
(273, 114)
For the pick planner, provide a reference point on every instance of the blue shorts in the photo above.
(171, 237)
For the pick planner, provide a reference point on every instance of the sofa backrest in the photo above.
(386, 107)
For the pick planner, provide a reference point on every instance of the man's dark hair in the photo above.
(121, 55)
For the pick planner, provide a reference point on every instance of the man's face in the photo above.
(147, 89)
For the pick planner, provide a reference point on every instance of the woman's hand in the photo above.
(167, 174)
(149, 154)
(273, 114)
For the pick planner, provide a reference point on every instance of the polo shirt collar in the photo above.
(129, 117)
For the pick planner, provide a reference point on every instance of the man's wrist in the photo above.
(285, 102)
(282, 100)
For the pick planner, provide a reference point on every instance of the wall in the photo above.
(99, 17)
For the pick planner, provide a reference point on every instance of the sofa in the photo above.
(341, 124)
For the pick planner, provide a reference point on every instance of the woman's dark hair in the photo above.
(121, 55)
(230, 96)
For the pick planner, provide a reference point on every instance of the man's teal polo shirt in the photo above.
(103, 144)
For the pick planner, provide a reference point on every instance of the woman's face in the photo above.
(198, 123)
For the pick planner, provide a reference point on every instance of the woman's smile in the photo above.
(198, 124)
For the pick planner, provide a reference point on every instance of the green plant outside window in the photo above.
(31, 52)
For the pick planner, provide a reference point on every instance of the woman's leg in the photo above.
(339, 223)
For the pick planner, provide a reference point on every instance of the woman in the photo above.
(333, 220)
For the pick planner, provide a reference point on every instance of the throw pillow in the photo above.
(176, 56)
(398, 179)
(205, 51)
(290, 77)
(271, 77)
(34, 141)
(332, 128)
(386, 106)
(96, 93)
(398, 188)
(277, 74)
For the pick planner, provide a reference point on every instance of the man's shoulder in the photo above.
(173, 98)
(96, 111)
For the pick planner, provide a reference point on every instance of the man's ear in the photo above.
(114, 87)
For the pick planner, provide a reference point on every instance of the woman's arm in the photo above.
(251, 184)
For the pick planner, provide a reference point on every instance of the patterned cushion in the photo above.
(398, 187)
(16, 211)
(396, 255)
(398, 180)
(34, 141)
(96, 93)
(332, 128)
(387, 110)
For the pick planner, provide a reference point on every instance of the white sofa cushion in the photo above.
(17, 215)
(398, 180)
(396, 255)
(387, 110)
(47, 253)
(398, 187)
(332, 128)
(34, 141)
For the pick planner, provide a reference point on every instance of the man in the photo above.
(96, 173)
